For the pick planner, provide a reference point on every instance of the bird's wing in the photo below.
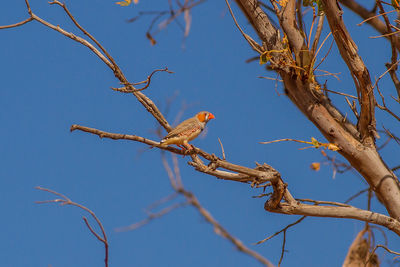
(185, 128)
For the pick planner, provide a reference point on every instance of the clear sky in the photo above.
(50, 82)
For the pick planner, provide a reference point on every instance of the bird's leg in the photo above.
(187, 145)
(180, 146)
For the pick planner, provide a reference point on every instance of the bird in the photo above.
(187, 130)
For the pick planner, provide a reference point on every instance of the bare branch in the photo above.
(224, 233)
(222, 149)
(66, 201)
(362, 80)
(384, 107)
(319, 202)
(147, 81)
(356, 195)
(339, 93)
(85, 32)
(337, 212)
(366, 14)
(108, 60)
(251, 42)
(317, 34)
(151, 217)
(218, 228)
(353, 107)
(243, 174)
(282, 230)
(16, 24)
(384, 247)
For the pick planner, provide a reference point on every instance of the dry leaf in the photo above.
(283, 3)
(152, 40)
(127, 2)
(188, 21)
(315, 166)
(333, 147)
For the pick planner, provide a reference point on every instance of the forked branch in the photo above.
(64, 200)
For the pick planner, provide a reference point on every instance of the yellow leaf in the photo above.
(315, 166)
(314, 142)
(264, 58)
(127, 2)
(333, 147)
(283, 3)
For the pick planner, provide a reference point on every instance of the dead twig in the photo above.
(353, 107)
(319, 202)
(385, 248)
(244, 174)
(191, 199)
(147, 81)
(16, 24)
(384, 107)
(282, 230)
(373, 17)
(64, 200)
(151, 217)
(222, 149)
(250, 40)
(339, 93)
(357, 195)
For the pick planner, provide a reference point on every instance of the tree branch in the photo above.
(337, 212)
(305, 95)
(66, 201)
(244, 174)
(366, 14)
(348, 50)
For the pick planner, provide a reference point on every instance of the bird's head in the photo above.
(205, 116)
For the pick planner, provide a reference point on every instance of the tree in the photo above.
(289, 48)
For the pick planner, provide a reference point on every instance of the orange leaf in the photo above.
(152, 40)
(315, 166)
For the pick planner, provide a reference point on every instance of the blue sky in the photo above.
(50, 82)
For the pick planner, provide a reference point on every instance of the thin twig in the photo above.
(327, 73)
(388, 70)
(353, 107)
(319, 202)
(318, 33)
(218, 228)
(222, 149)
(16, 24)
(270, 78)
(356, 195)
(126, 89)
(383, 106)
(161, 201)
(316, 53)
(373, 17)
(115, 67)
(384, 247)
(151, 217)
(283, 248)
(339, 93)
(244, 174)
(67, 201)
(251, 42)
(280, 231)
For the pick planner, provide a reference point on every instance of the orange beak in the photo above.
(211, 116)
